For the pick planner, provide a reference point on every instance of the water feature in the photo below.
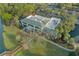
(2, 47)
(75, 32)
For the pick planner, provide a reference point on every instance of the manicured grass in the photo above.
(24, 53)
(20, 53)
(38, 45)
(9, 38)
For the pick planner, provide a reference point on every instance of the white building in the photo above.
(39, 22)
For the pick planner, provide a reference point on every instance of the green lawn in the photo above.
(38, 45)
(21, 53)
(24, 53)
(9, 38)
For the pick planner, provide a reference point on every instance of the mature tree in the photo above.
(67, 24)
(15, 11)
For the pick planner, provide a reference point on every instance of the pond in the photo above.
(75, 32)
(2, 47)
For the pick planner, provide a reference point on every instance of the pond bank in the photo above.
(2, 47)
